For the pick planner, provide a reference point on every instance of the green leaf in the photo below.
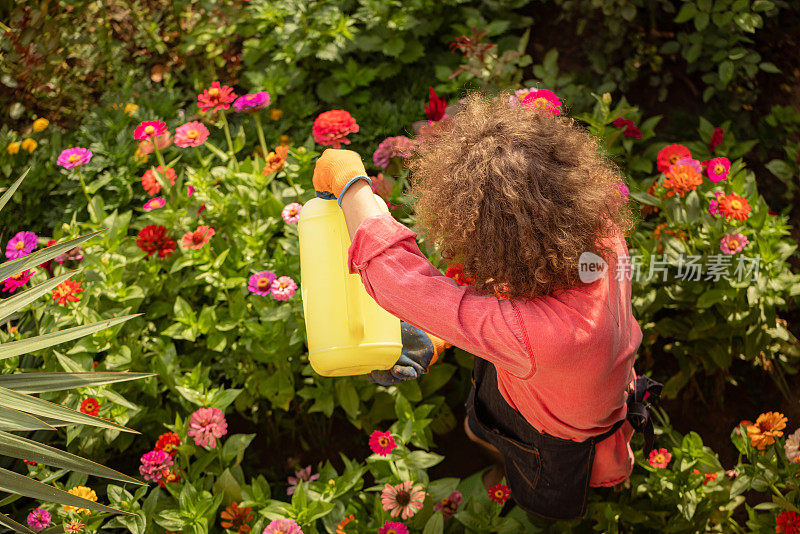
(766, 66)
(42, 408)
(25, 449)
(15, 303)
(24, 346)
(701, 21)
(348, 397)
(435, 524)
(687, 12)
(13, 525)
(46, 382)
(11, 419)
(12, 189)
(37, 258)
(11, 482)
(423, 460)
(726, 72)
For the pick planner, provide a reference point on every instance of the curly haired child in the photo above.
(521, 198)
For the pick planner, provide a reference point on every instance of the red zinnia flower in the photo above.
(198, 238)
(435, 110)
(67, 291)
(90, 406)
(787, 522)
(382, 443)
(216, 97)
(499, 493)
(716, 139)
(456, 272)
(670, 154)
(168, 476)
(168, 443)
(332, 127)
(153, 238)
(151, 185)
(236, 519)
(150, 129)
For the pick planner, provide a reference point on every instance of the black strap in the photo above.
(645, 391)
(326, 195)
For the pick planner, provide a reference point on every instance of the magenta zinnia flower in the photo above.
(39, 519)
(382, 443)
(732, 243)
(154, 464)
(252, 102)
(623, 190)
(303, 475)
(73, 254)
(22, 244)
(392, 147)
(74, 157)
(291, 213)
(189, 190)
(154, 203)
(261, 283)
(206, 425)
(544, 101)
(283, 288)
(283, 526)
(391, 527)
(150, 129)
(713, 205)
(404, 499)
(12, 283)
(191, 134)
(718, 169)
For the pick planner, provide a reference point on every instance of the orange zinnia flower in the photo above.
(343, 523)
(734, 207)
(681, 179)
(275, 160)
(768, 426)
(67, 291)
(235, 518)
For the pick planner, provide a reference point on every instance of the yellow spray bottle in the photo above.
(348, 333)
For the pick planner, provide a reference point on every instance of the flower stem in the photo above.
(261, 140)
(230, 141)
(83, 186)
(161, 179)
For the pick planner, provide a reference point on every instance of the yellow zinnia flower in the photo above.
(84, 492)
(130, 109)
(13, 148)
(40, 124)
(768, 426)
(29, 144)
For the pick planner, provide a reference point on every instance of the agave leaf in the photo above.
(41, 407)
(11, 419)
(13, 525)
(40, 256)
(51, 477)
(18, 301)
(25, 449)
(12, 482)
(46, 382)
(13, 189)
(24, 346)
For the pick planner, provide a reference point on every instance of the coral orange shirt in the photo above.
(564, 361)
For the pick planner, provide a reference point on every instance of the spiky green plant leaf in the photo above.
(47, 382)
(13, 525)
(20, 300)
(14, 420)
(13, 189)
(34, 259)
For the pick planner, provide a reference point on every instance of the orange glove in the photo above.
(438, 347)
(336, 170)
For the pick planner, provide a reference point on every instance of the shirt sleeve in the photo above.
(403, 282)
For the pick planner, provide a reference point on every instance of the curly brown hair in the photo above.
(515, 195)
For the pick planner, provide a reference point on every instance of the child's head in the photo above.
(515, 195)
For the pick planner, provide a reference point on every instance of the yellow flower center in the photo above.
(733, 244)
(383, 442)
(541, 103)
(659, 458)
(20, 245)
(73, 158)
(391, 531)
(718, 169)
(192, 134)
(263, 283)
(736, 204)
(213, 91)
(673, 158)
(149, 129)
(499, 494)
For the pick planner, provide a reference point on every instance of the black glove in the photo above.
(418, 351)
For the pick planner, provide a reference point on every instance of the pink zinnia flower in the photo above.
(151, 184)
(382, 185)
(191, 134)
(216, 97)
(391, 527)
(382, 443)
(261, 283)
(623, 190)
(22, 244)
(331, 128)
(718, 169)
(12, 283)
(150, 129)
(73, 254)
(659, 458)
(732, 243)
(189, 190)
(74, 527)
(291, 213)
(392, 147)
(544, 101)
(206, 425)
(450, 505)
(716, 139)
(283, 288)
(162, 141)
(303, 475)
(154, 203)
(198, 238)
(713, 205)
(283, 526)
(252, 102)
(74, 157)
(690, 162)
(154, 463)
(404, 499)
(39, 519)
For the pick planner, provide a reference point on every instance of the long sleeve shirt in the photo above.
(564, 361)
